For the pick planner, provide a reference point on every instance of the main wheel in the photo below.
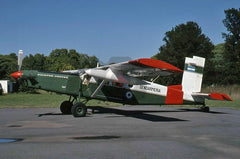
(66, 107)
(79, 110)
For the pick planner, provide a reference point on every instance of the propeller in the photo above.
(18, 74)
(20, 58)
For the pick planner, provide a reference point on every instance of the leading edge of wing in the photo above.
(143, 64)
(146, 62)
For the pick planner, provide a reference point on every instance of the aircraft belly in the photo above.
(151, 99)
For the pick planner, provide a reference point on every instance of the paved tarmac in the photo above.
(134, 132)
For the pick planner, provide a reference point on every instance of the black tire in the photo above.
(66, 107)
(79, 110)
(205, 109)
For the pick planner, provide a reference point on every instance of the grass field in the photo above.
(44, 99)
(41, 99)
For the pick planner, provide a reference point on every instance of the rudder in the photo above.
(193, 74)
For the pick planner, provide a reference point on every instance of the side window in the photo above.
(86, 79)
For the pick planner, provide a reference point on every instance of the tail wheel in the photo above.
(79, 110)
(205, 109)
(66, 107)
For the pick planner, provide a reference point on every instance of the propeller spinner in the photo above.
(17, 74)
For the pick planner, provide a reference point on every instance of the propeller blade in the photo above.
(20, 58)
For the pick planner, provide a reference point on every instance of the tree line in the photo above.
(58, 60)
(222, 64)
(184, 40)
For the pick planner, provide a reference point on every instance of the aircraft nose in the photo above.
(16, 74)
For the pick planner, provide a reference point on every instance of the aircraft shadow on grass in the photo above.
(139, 114)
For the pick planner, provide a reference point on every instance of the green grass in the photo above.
(41, 99)
(225, 104)
(24, 100)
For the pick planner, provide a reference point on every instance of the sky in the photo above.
(104, 28)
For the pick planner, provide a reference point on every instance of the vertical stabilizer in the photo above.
(193, 74)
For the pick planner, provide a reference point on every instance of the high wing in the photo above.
(126, 72)
(144, 67)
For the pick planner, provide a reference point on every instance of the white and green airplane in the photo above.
(121, 83)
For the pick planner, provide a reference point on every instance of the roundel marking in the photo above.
(129, 95)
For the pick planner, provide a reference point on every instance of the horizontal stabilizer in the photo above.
(220, 96)
(213, 96)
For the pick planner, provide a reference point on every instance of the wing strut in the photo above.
(98, 89)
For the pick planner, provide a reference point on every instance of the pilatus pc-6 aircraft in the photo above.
(120, 83)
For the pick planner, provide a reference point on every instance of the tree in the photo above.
(93, 60)
(62, 59)
(185, 40)
(74, 59)
(8, 64)
(218, 63)
(232, 46)
(36, 62)
(57, 59)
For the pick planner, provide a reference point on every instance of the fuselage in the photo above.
(82, 85)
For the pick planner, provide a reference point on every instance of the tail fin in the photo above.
(193, 74)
